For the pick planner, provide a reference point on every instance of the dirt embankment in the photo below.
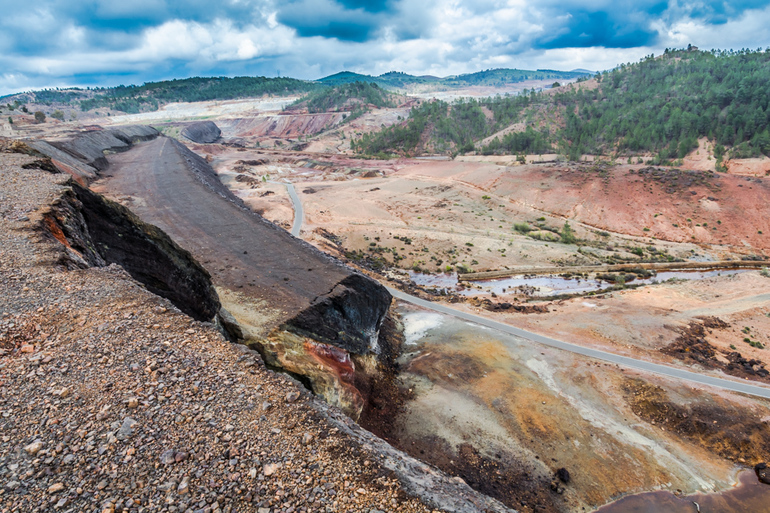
(280, 126)
(112, 399)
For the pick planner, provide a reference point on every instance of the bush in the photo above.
(57, 114)
(39, 117)
(522, 227)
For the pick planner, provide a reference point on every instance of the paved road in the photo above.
(632, 363)
(736, 386)
(299, 212)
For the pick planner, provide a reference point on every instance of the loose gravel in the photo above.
(112, 400)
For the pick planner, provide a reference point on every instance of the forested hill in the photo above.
(345, 97)
(491, 77)
(660, 105)
(152, 95)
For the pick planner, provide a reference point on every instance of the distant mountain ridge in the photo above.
(151, 95)
(490, 77)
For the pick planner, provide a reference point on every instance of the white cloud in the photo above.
(40, 46)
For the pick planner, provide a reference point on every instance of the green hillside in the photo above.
(492, 77)
(349, 96)
(659, 105)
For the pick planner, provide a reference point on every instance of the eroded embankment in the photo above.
(302, 310)
(84, 230)
(95, 232)
(82, 154)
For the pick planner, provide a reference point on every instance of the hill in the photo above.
(492, 77)
(349, 96)
(657, 106)
(151, 95)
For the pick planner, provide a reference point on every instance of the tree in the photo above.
(58, 115)
(39, 117)
(568, 234)
(10, 120)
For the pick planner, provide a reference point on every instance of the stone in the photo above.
(763, 472)
(27, 348)
(307, 438)
(68, 459)
(270, 469)
(168, 457)
(292, 396)
(56, 488)
(184, 486)
(133, 402)
(34, 448)
(563, 475)
(126, 429)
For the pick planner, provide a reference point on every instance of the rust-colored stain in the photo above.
(79, 178)
(338, 360)
(53, 227)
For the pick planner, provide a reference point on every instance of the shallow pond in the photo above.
(550, 285)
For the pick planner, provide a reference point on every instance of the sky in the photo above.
(59, 43)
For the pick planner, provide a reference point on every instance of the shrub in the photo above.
(522, 227)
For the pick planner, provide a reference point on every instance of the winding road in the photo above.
(625, 361)
(299, 212)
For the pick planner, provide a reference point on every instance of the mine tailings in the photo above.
(188, 238)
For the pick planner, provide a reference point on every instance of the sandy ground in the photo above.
(522, 411)
(464, 212)
(641, 322)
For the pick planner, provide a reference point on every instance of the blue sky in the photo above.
(56, 43)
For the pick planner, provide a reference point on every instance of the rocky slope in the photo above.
(112, 399)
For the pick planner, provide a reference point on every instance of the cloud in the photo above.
(103, 42)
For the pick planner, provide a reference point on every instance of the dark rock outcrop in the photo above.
(349, 316)
(82, 155)
(202, 132)
(97, 232)
(763, 473)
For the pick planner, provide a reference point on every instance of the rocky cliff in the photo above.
(96, 232)
(304, 311)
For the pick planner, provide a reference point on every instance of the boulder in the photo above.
(202, 132)
(763, 473)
